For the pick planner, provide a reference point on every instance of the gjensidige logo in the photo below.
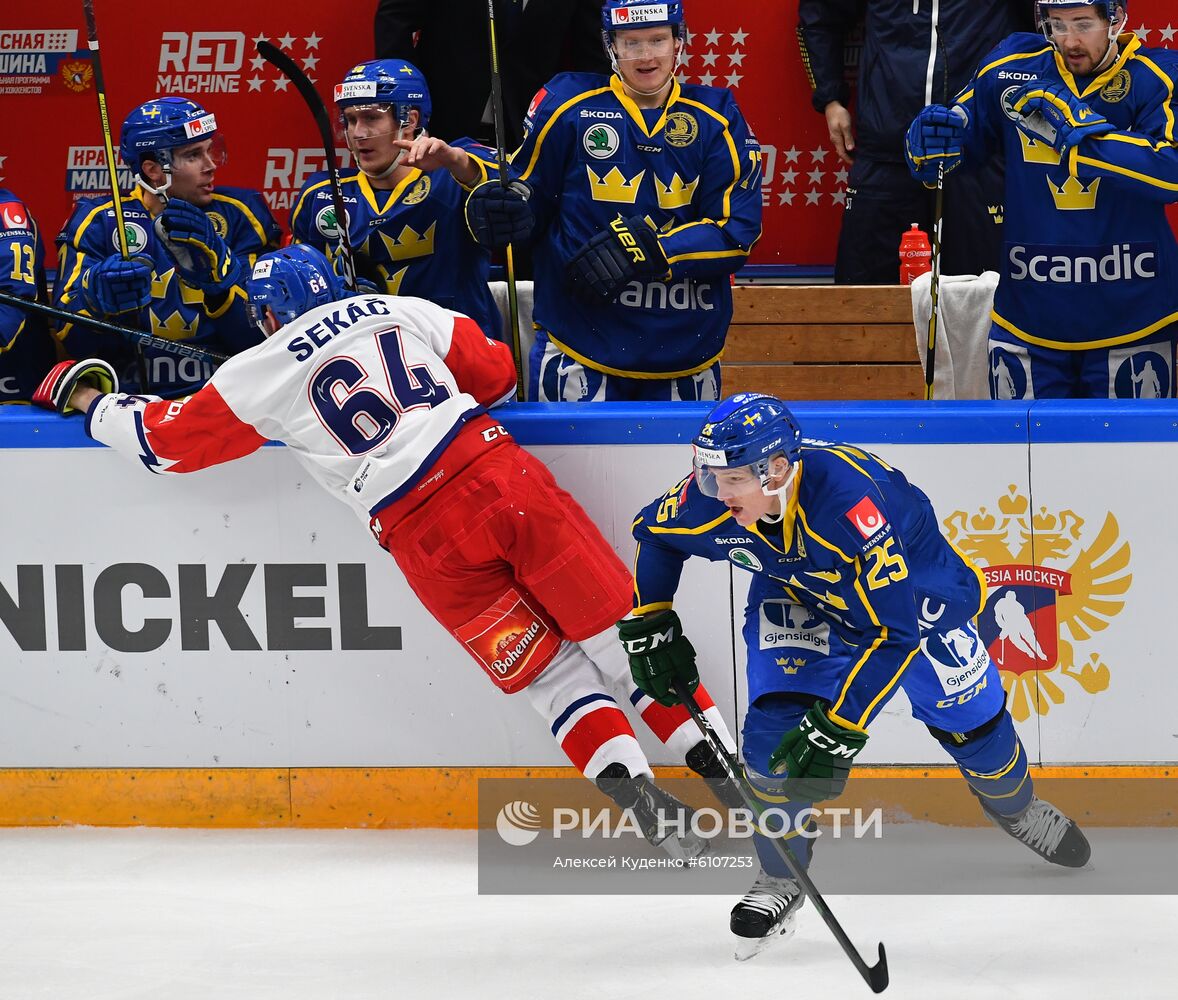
(518, 823)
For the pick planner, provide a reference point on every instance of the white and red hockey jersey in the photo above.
(366, 392)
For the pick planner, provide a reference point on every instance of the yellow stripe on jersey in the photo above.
(552, 121)
(247, 212)
(1060, 345)
(654, 530)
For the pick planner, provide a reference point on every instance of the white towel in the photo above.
(527, 336)
(963, 332)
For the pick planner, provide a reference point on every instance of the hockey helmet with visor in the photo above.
(742, 435)
(155, 130)
(290, 282)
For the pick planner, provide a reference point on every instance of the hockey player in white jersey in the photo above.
(384, 401)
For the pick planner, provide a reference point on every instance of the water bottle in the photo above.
(916, 254)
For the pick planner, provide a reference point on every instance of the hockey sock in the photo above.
(994, 762)
(593, 732)
(674, 726)
(780, 819)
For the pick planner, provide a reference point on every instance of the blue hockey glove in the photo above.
(816, 757)
(659, 653)
(1051, 113)
(114, 285)
(935, 136)
(56, 388)
(627, 251)
(498, 215)
(202, 257)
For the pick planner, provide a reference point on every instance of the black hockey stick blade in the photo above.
(287, 66)
(139, 337)
(876, 976)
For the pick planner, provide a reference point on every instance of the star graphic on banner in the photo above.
(713, 37)
(1168, 33)
(710, 58)
(812, 197)
(736, 58)
(257, 62)
(256, 84)
(313, 41)
(280, 83)
(791, 155)
(261, 38)
(706, 79)
(286, 41)
(789, 176)
(785, 197)
(838, 197)
(841, 175)
(683, 78)
(739, 36)
(815, 175)
(1143, 33)
(310, 62)
(734, 79)
(818, 154)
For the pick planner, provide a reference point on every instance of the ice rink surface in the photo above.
(100, 914)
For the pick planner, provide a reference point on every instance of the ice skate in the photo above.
(767, 913)
(1047, 832)
(650, 804)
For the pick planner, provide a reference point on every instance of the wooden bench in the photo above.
(823, 342)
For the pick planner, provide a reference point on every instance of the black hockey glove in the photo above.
(659, 654)
(498, 215)
(64, 377)
(627, 251)
(202, 256)
(816, 757)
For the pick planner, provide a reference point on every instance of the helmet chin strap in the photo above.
(396, 159)
(782, 493)
(613, 61)
(160, 192)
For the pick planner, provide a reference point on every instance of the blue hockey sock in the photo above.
(994, 762)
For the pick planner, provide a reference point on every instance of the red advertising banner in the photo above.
(51, 142)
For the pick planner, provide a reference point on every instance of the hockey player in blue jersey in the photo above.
(191, 247)
(404, 197)
(1085, 114)
(849, 554)
(647, 197)
(26, 348)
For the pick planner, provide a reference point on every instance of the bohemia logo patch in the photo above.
(1070, 583)
(511, 641)
(866, 518)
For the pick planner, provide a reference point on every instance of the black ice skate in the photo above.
(702, 759)
(767, 913)
(1047, 832)
(650, 804)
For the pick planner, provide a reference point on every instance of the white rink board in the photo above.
(426, 703)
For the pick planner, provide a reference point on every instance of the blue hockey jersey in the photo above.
(859, 547)
(26, 348)
(692, 167)
(178, 311)
(1090, 259)
(415, 233)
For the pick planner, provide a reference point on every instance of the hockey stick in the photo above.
(286, 65)
(876, 976)
(115, 193)
(138, 337)
(930, 358)
(504, 180)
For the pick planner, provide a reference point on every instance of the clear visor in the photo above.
(732, 481)
(630, 49)
(368, 121)
(1084, 27)
(196, 155)
(257, 316)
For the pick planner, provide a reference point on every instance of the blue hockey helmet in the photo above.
(290, 281)
(618, 15)
(394, 82)
(745, 431)
(154, 129)
(1116, 12)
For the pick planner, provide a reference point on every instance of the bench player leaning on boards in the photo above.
(647, 197)
(1086, 305)
(849, 554)
(404, 197)
(26, 348)
(191, 244)
(383, 399)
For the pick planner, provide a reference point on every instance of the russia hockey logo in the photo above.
(866, 518)
(1054, 582)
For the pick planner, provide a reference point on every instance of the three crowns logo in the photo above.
(675, 194)
(1074, 196)
(1054, 584)
(409, 244)
(615, 186)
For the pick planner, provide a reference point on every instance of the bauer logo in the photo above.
(1049, 572)
(518, 823)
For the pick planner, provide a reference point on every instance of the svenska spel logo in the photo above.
(518, 823)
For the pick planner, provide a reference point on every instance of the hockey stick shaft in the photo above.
(930, 358)
(287, 66)
(504, 180)
(135, 336)
(876, 976)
